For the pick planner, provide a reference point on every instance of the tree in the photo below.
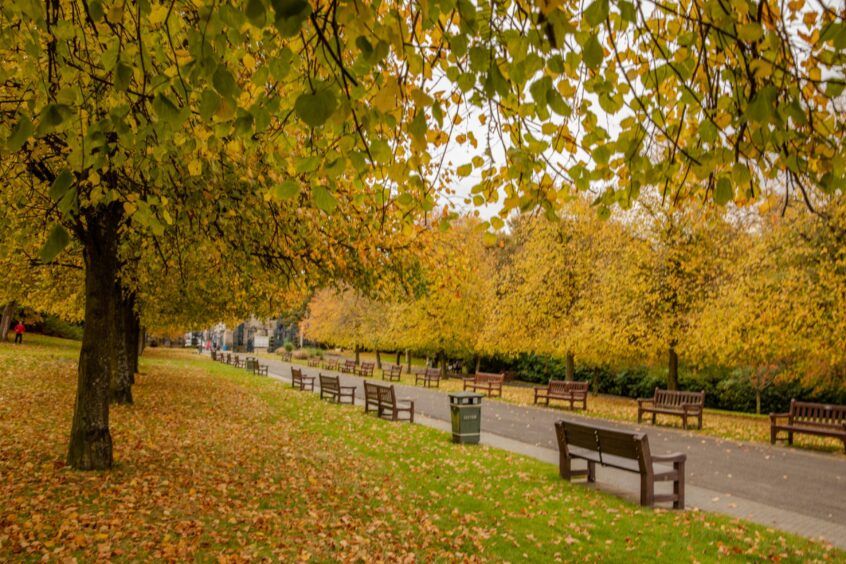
(682, 263)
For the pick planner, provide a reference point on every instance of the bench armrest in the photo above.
(641, 401)
(691, 407)
(774, 417)
(348, 387)
(672, 457)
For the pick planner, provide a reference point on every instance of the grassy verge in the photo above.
(211, 462)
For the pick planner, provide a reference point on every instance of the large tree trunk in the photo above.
(357, 354)
(408, 361)
(570, 362)
(478, 364)
(90, 445)
(399, 358)
(120, 387)
(673, 372)
(378, 359)
(6, 320)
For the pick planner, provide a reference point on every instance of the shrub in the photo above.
(56, 327)
(300, 354)
(289, 346)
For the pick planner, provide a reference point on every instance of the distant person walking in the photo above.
(20, 329)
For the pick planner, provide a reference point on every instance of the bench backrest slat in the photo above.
(674, 398)
(605, 441)
(330, 383)
(817, 413)
(488, 377)
(567, 386)
(395, 370)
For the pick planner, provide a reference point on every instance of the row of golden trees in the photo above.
(762, 289)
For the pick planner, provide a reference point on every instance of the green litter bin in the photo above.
(250, 364)
(466, 411)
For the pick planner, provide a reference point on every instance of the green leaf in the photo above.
(285, 191)
(60, 185)
(57, 240)
(418, 127)
(20, 133)
(122, 76)
(256, 12)
(364, 46)
(627, 11)
(497, 222)
(464, 170)
(592, 52)
(381, 151)
(724, 192)
(315, 109)
(165, 109)
(324, 199)
(224, 82)
(53, 115)
(760, 108)
(596, 13)
(209, 102)
(290, 15)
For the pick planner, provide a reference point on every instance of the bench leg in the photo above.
(684, 422)
(647, 491)
(639, 415)
(790, 438)
(700, 420)
(591, 471)
(773, 435)
(653, 418)
(678, 486)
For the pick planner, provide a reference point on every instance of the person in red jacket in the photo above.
(20, 329)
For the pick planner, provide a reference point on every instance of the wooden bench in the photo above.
(430, 377)
(330, 386)
(565, 390)
(365, 369)
(383, 400)
(301, 382)
(485, 382)
(670, 402)
(236, 362)
(349, 367)
(393, 373)
(314, 363)
(624, 450)
(810, 418)
(260, 370)
(332, 364)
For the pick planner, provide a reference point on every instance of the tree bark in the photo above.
(399, 358)
(90, 446)
(378, 359)
(6, 320)
(357, 354)
(478, 364)
(571, 366)
(120, 386)
(443, 364)
(408, 361)
(673, 372)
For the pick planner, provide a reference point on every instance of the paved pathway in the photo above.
(788, 488)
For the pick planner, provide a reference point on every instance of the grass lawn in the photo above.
(718, 423)
(212, 463)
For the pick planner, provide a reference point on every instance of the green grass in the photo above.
(213, 461)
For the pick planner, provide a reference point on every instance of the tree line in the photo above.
(761, 289)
